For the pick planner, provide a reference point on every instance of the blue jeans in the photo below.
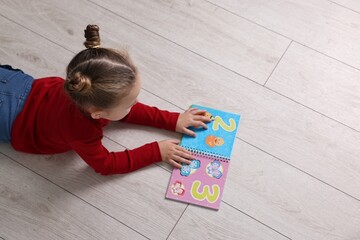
(15, 87)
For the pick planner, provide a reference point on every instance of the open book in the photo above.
(202, 182)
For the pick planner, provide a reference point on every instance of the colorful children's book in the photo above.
(202, 182)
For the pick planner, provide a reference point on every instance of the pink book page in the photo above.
(200, 183)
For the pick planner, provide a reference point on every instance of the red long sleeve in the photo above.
(107, 163)
(51, 123)
(152, 116)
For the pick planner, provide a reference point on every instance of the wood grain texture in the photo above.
(33, 208)
(292, 177)
(199, 223)
(320, 83)
(209, 31)
(350, 4)
(134, 213)
(131, 199)
(288, 200)
(123, 197)
(293, 133)
(276, 194)
(24, 49)
(322, 25)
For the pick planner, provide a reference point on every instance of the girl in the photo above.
(50, 115)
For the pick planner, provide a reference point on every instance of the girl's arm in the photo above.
(173, 121)
(152, 116)
(107, 163)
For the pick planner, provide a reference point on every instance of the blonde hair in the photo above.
(97, 76)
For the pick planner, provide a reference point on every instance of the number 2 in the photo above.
(220, 122)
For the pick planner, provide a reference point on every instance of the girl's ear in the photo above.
(96, 115)
(95, 112)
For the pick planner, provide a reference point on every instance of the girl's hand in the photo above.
(191, 118)
(173, 154)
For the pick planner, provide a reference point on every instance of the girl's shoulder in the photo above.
(50, 80)
(55, 108)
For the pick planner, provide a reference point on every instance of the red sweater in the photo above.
(51, 123)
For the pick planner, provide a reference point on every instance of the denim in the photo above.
(15, 87)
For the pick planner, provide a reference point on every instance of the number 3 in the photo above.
(205, 194)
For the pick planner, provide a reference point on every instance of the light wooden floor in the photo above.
(290, 68)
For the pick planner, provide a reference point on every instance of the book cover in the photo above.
(202, 182)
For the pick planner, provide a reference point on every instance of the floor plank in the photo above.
(80, 177)
(210, 32)
(350, 4)
(273, 192)
(320, 83)
(20, 52)
(288, 200)
(132, 199)
(33, 208)
(107, 193)
(273, 123)
(296, 172)
(196, 223)
(121, 207)
(321, 25)
(287, 130)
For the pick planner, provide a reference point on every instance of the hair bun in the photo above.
(92, 36)
(79, 83)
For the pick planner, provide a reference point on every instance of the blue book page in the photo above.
(219, 138)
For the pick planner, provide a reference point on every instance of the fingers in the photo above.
(180, 151)
(196, 111)
(177, 160)
(180, 156)
(183, 153)
(199, 124)
(175, 164)
(192, 117)
(199, 118)
(202, 118)
(189, 132)
(174, 154)
(191, 110)
(181, 160)
(200, 113)
(174, 141)
(196, 124)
